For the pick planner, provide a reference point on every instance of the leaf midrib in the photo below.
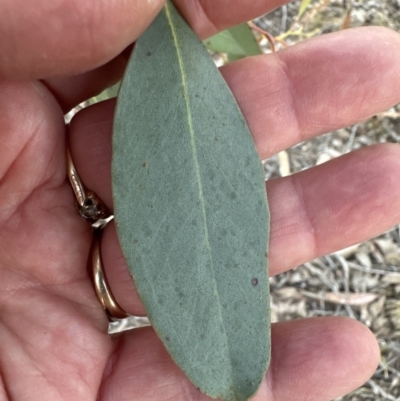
(195, 159)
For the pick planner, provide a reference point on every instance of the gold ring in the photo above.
(92, 209)
(103, 292)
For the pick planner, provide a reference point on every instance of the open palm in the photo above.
(53, 333)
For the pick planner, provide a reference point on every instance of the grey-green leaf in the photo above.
(191, 212)
(238, 42)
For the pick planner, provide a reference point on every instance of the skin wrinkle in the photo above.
(26, 195)
(4, 391)
(109, 369)
(174, 390)
(381, 157)
(10, 168)
(48, 98)
(285, 223)
(30, 350)
(8, 294)
(291, 97)
(7, 12)
(313, 248)
(30, 283)
(205, 12)
(67, 290)
(11, 219)
(290, 358)
(269, 381)
(16, 337)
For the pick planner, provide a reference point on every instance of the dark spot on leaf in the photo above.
(266, 254)
(166, 338)
(254, 282)
(233, 195)
(135, 241)
(235, 362)
(179, 292)
(196, 95)
(148, 54)
(145, 164)
(147, 231)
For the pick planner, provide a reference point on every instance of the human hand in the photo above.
(53, 333)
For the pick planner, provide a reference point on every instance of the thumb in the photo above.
(45, 38)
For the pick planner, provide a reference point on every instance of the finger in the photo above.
(71, 91)
(304, 354)
(45, 39)
(353, 75)
(206, 18)
(317, 86)
(337, 204)
(71, 37)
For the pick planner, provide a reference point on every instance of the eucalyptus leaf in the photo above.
(238, 42)
(246, 39)
(224, 42)
(191, 212)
